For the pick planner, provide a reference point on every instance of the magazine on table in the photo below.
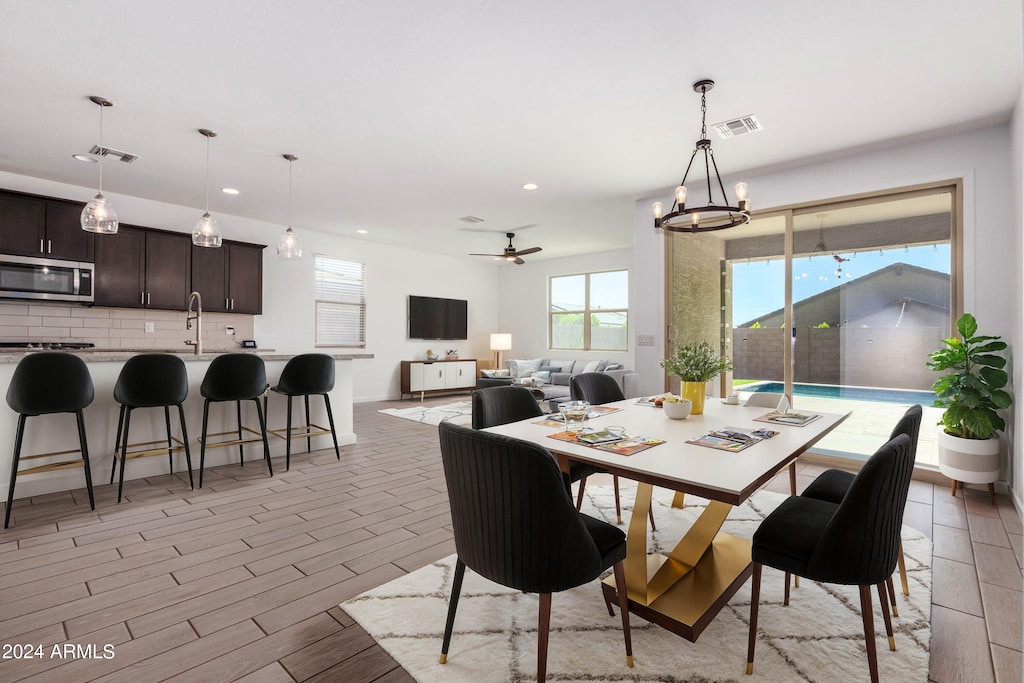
(613, 442)
(788, 418)
(732, 438)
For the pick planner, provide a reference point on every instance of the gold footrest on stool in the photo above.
(131, 455)
(233, 442)
(308, 433)
(53, 466)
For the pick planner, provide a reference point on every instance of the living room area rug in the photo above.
(456, 413)
(819, 637)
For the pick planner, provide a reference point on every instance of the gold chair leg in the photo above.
(903, 575)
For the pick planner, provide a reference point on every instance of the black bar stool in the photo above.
(152, 380)
(234, 377)
(305, 375)
(43, 384)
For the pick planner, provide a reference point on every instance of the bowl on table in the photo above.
(677, 410)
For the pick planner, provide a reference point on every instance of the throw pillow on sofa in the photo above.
(595, 366)
(524, 368)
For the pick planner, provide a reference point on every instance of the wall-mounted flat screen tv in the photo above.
(433, 318)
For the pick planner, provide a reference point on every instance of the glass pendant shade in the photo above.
(289, 246)
(99, 216)
(206, 233)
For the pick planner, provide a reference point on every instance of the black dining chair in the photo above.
(495, 406)
(234, 377)
(596, 388)
(47, 383)
(854, 542)
(150, 380)
(515, 525)
(305, 375)
(832, 485)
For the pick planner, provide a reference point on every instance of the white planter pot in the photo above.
(972, 461)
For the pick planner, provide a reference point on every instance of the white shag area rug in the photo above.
(819, 637)
(456, 413)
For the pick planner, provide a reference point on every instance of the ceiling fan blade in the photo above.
(519, 261)
(531, 250)
(493, 255)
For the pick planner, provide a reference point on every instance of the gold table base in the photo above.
(684, 590)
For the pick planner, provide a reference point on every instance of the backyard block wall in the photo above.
(874, 357)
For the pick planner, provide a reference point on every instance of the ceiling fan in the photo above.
(511, 254)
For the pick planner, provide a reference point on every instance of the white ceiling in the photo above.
(409, 114)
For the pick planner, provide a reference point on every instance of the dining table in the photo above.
(684, 589)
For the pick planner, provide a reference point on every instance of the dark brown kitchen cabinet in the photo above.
(229, 278)
(140, 268)
(33, 226)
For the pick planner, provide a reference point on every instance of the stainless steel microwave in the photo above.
(25, 277)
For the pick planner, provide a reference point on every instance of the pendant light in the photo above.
(718, 216)
(98, 215)
(206, 233)
(289, 246)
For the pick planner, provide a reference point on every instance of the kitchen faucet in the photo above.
(198, 317)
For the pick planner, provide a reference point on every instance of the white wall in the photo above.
(288, 287)
(1016, 474)
(992, 225)
(523, 304)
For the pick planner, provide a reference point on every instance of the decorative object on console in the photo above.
(206, 232)
(684, 218)
(289, 246)
(431, 355)
(511, 254)
(695, 365)
(451, 354)
(500, 341)
(98, 215)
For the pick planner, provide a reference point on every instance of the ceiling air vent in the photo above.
(471, 219)
(740, 126)
(126, 157)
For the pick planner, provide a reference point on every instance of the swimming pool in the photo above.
(902, 396)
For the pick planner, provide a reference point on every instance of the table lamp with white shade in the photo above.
(500, 341)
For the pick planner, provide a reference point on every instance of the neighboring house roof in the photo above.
(899, 295)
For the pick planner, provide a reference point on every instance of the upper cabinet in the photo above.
(136, 267)
(140, 268)
(34, 226)
(229, 278)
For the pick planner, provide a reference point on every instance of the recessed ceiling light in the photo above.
(84, 157)
(530, 186)
(362, 232)
(229, 190)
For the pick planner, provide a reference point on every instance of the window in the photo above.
(340, 302)
(589, 311)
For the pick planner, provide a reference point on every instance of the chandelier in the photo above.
(716, 216)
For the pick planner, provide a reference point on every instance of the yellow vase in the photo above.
(695, 392)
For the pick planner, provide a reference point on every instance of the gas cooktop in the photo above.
(46, 345)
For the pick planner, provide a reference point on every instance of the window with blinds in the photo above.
(340, 302)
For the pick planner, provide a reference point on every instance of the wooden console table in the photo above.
(437, 376)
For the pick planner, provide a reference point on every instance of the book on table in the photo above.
(787, 418)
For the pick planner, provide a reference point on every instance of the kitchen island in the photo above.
(49, 433)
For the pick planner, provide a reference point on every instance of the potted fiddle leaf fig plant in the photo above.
(972, 392)
(695, 365)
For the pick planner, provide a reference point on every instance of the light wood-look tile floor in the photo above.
(240, 581)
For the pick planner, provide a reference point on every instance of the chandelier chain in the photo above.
(289, 193)
(703, 113)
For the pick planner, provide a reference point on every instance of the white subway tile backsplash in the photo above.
(113, 328)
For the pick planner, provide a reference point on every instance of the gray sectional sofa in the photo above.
(552, 376)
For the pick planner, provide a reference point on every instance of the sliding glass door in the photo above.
(835, 304)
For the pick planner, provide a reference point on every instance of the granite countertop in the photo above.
(116, 355)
